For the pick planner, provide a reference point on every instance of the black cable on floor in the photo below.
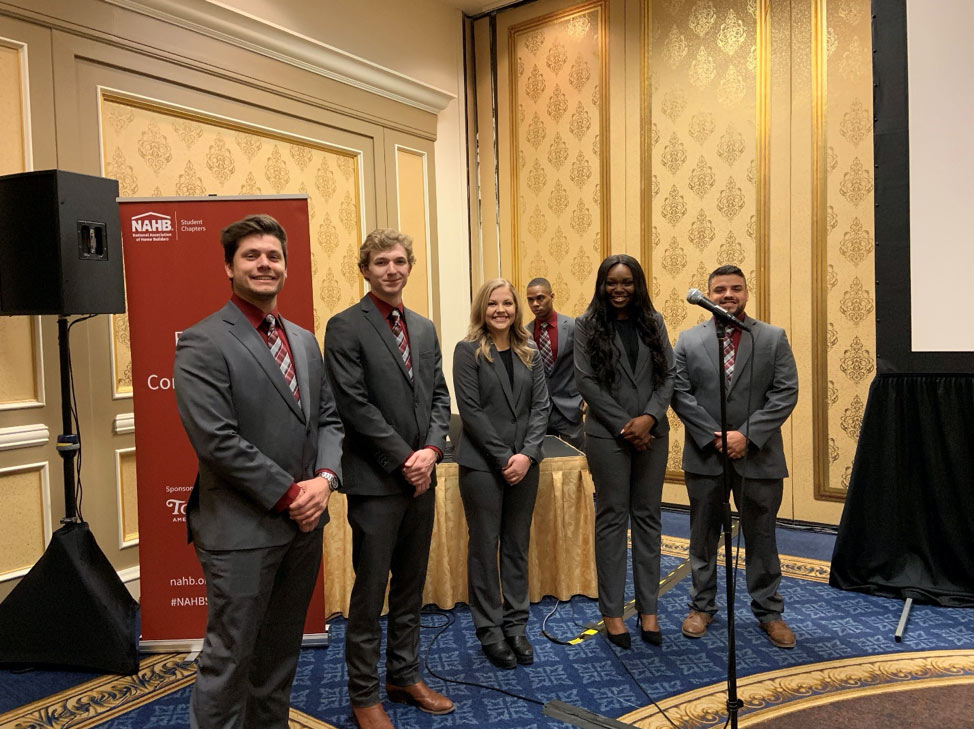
(450, 619)
(639, 684)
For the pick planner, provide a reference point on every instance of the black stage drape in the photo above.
(907, 529)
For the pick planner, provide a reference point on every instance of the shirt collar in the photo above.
(552, 319)
(384, 308)
(254, 315)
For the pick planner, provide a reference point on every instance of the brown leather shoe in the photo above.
(371, 717)
(695, 624)
(779, 633)
(421, 696)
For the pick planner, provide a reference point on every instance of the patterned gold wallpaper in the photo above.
(559, 186)
(704, 166)
(156, 151)
(845, 230)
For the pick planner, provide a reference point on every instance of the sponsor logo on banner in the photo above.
(152, 227)
(177, 506)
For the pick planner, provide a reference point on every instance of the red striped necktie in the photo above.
(400, 335)
(544, 346)
(729, 355)
(276, 345)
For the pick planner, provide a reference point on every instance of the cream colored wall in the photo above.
(386, 32)
(74, 63)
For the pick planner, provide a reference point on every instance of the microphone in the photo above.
(694, 296)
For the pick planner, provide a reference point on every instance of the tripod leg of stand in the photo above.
(904, 616)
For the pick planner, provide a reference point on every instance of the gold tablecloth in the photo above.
(561, 558)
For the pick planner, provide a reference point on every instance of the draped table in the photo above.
(561, 560)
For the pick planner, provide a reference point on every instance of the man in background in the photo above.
(255, 402)
(553, 334)
(385, 364)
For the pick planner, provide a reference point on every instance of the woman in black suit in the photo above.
(624, 370)
(501, 393)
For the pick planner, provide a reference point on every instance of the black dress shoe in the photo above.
(619, 639)
(500, 654)
(653, 637)
(523, 651)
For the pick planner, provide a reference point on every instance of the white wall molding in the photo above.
(260, 36)
(24, 436)
(124, 423)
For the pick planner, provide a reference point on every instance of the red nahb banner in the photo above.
(174, 276)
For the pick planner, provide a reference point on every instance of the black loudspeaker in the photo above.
(60, 244)
(71, 610)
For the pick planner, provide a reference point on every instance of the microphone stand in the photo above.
(733, 703)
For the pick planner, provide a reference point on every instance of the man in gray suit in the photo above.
(385, 365)
(762, 391)
(255, 402)
(554, 335)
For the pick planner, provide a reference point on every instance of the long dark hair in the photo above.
(600, 313)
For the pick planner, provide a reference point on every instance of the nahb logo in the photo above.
(152, 227)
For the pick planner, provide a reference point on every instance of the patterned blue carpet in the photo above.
(830, 625)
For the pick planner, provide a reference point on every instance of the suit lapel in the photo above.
(501, 373)
(744, 350)
(642, 358)
(299, 356)
(521, 376)
(382, 328)
(562, 337)
(708, 339)
(414, 330)
(245, 333)
(623, 357)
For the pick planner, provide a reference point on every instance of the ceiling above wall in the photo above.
(477, 7)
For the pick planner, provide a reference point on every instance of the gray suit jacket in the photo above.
(498, 420)
(386, 416)
(251, 438)
(631, 394)
(566, 401)
(762, 393)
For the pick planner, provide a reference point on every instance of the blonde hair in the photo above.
(479, 333)
(384, 239)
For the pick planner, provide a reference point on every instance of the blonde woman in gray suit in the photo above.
(499, 382)
(624, 370)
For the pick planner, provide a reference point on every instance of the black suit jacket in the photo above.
(386, 416)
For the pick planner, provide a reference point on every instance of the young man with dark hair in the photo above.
(554, 336)
(255, 402)
(762, 389)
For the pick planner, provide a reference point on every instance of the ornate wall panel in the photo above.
(19, 378)
(20, 358)
(128, 497)
(559, 69)
(12, 151)
(24, 492)
(155, 151)
(844, 336)
(411, 193)
(706, 171)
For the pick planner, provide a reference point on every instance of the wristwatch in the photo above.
(332, 480)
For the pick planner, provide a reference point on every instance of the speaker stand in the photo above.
(71, 609)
